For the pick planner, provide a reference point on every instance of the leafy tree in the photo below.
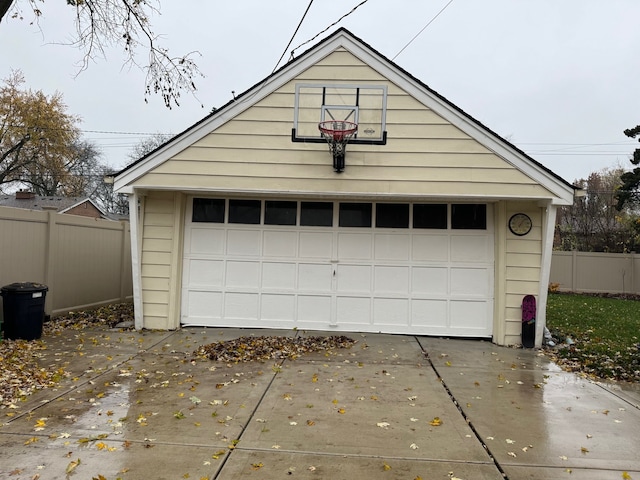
(125, 23)
(593, 223)
(38, 138)
(629, 192)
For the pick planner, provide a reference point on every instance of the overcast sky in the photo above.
(559, 79)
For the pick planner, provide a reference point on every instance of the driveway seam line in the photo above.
(464, 415)
(251, 416)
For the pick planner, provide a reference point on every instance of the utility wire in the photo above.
(333, 24)
(292, 36)
(423, 29)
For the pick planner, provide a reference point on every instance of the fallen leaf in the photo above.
(626, 476)
(383, 424)
(584, 450)
(257, 466)
(341, 410)
(72, 466)
(436, 422)
(413, 446)
(386, 467)
(512, 454)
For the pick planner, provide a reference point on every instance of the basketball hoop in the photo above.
(338, 133)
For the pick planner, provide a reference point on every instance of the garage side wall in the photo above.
(522, 268)
(160, 265)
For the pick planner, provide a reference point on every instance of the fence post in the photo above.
(123, 260)
(49, 258)
(633, 270)
(574, 270)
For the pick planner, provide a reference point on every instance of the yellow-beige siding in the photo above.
(424, 154)
(160, 259)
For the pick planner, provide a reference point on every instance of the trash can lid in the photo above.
(24, 287)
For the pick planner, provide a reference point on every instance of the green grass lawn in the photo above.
(605, 332)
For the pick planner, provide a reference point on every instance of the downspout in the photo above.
(136, 215)
(548, 231)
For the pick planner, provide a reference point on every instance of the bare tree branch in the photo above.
(100, 24)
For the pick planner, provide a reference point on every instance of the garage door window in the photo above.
(470, 216)
(430, 215)
(244, 211)
(355, 215)
(280, 213)
(316, 214)
(209, 210)
(392, 215)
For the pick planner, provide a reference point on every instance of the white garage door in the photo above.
(344, 266)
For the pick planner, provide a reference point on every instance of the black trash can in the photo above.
(23, 308)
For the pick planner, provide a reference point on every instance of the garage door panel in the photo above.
(390, 311)
(278, 307)
(430, 281)
(353, 310)
(471, 248)
(204, 304)
(391, 247)
(430, 248)
(243, 274)
(207, 241)
(429, 313)
(279, 276)
(206, 272)
(354, 246)
(280, 244)
(244, 242)
(389, 279)
(241, 305)
(354, 278)
(470, 282)
(315, 245)
(469, 316)
(314, 277)
(314, 309)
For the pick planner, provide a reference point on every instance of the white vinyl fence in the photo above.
(84, 262)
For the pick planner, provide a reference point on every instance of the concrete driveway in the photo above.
(139, 405)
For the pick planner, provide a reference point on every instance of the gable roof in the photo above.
(342, 38)
(45, 202)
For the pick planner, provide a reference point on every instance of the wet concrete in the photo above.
(140, 405)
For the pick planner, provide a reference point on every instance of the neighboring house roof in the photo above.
(57, 203)
(345, 39)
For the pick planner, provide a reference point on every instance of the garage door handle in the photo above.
(334, 273)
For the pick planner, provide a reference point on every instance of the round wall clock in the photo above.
(520, 224)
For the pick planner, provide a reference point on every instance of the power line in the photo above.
(423, 29)
(333, 24)
(292, 36)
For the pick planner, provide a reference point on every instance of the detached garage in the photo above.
(408, 216)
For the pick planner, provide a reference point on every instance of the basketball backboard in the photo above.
(365, 105)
